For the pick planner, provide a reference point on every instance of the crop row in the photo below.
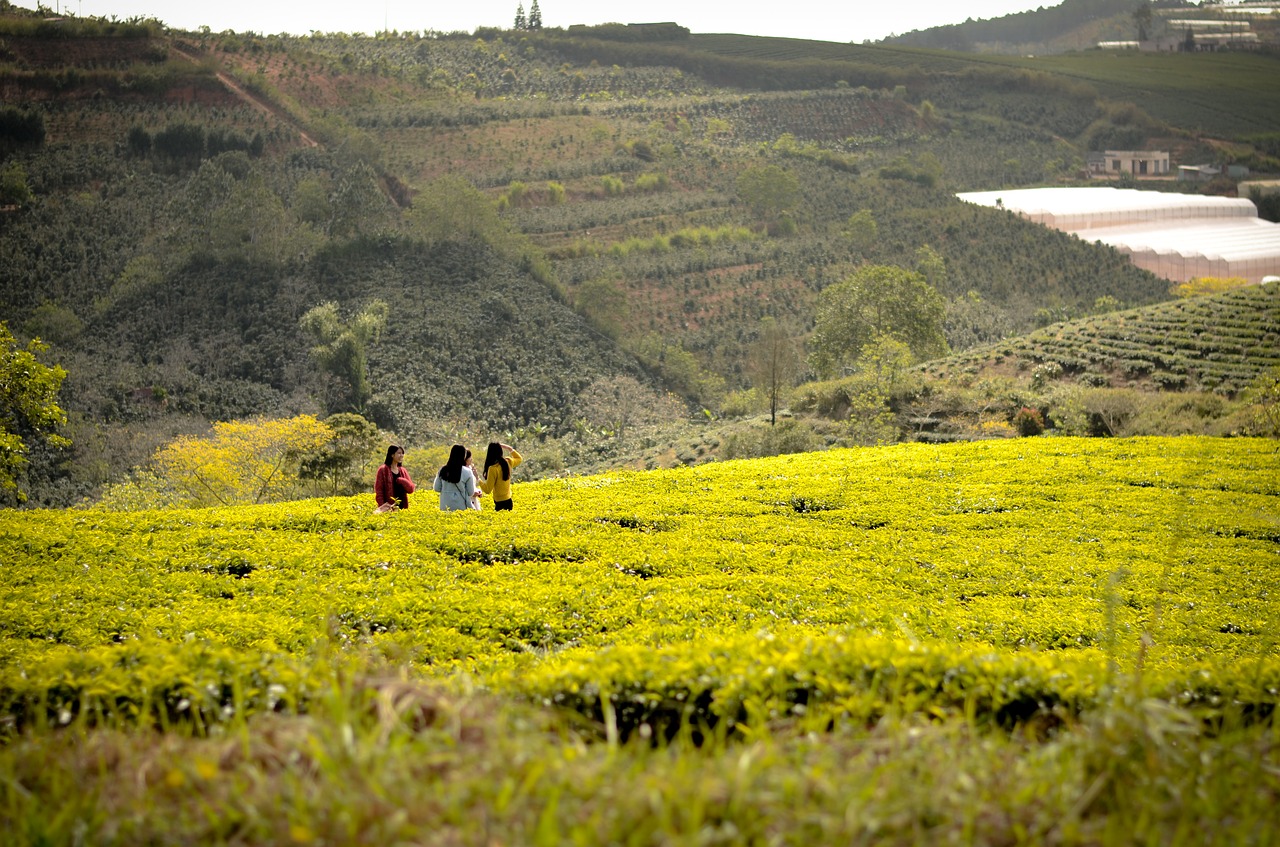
(1221, 341)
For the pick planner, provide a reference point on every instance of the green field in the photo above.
(1220, 342)
(821, 638)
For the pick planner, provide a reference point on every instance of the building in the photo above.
(1197, 173)
(1130, 162)
(1176, 236)
(1264, 187)
(1190, 35)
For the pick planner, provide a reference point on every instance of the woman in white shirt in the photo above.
(455, 482)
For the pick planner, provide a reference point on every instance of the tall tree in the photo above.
(28, 408)
(342, 348)
(876, 301)
(773, 363)
(1142, 20)
(521, 22)
(535, 16)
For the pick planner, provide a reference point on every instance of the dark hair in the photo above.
(495, 457)
(452, 470)
(391, 451)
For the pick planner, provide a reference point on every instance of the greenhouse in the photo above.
(1176, 236)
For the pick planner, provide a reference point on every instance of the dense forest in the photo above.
(571, 236)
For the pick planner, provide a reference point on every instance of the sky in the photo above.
(821, 20)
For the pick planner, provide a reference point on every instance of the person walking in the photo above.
(455, 482)
(393, 485)
(495, 478)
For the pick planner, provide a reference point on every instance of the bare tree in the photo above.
(773, 363)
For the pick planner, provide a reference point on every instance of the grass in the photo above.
(433, 768)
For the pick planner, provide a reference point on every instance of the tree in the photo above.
(971, 321)
(862, 230)
(19, 128)
(343, 348)
(885, 360)
(359, 205)
(931, 266)
(520, 23)
(452, 208)
(535, 17)
(1142, 20)
(181, 142)
(1201, 285)
(252, 222)
(341, 465)
(242, 461)
(618, 403)
(14, 190)
(28, 408)
(773, 363)
(769, 190)
(877, 301)
(1263, 402)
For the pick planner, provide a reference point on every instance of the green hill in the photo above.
(1075, 25)
(544, 213)
(1219, 342)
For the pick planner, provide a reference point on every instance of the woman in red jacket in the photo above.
(393, 486)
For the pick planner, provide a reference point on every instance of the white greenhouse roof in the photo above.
(1177, 236)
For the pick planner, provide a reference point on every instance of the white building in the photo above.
(1134, 162)
(1176, 236)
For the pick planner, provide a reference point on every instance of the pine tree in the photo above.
(535, 16)
(520, 21)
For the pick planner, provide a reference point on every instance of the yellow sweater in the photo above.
(494, 484)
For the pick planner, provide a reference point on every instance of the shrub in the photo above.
(786, 437)
(1044, 373)
(1028, 421)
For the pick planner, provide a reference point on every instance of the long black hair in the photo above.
(391, 451)
(494, 457)
(452, 470)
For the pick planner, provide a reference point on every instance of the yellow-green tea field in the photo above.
(1010, 577)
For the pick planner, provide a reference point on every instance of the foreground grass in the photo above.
(1048, 641)
(394, 763)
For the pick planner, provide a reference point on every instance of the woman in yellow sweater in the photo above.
(496, 476)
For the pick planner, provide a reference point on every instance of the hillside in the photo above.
(1219, 342)
(552, 217)
(1072, 25)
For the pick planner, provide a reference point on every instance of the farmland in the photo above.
(587, 190)
(1218, 342)
(866, 596)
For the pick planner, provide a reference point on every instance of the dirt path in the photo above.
(196, 56)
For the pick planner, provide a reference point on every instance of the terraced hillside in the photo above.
(630, 212)
(1218, 343)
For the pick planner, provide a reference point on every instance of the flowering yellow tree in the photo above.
(1201, 285)
(242, 461)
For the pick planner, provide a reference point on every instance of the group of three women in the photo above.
(457, 483)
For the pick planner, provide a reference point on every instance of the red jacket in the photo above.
(390, 486)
